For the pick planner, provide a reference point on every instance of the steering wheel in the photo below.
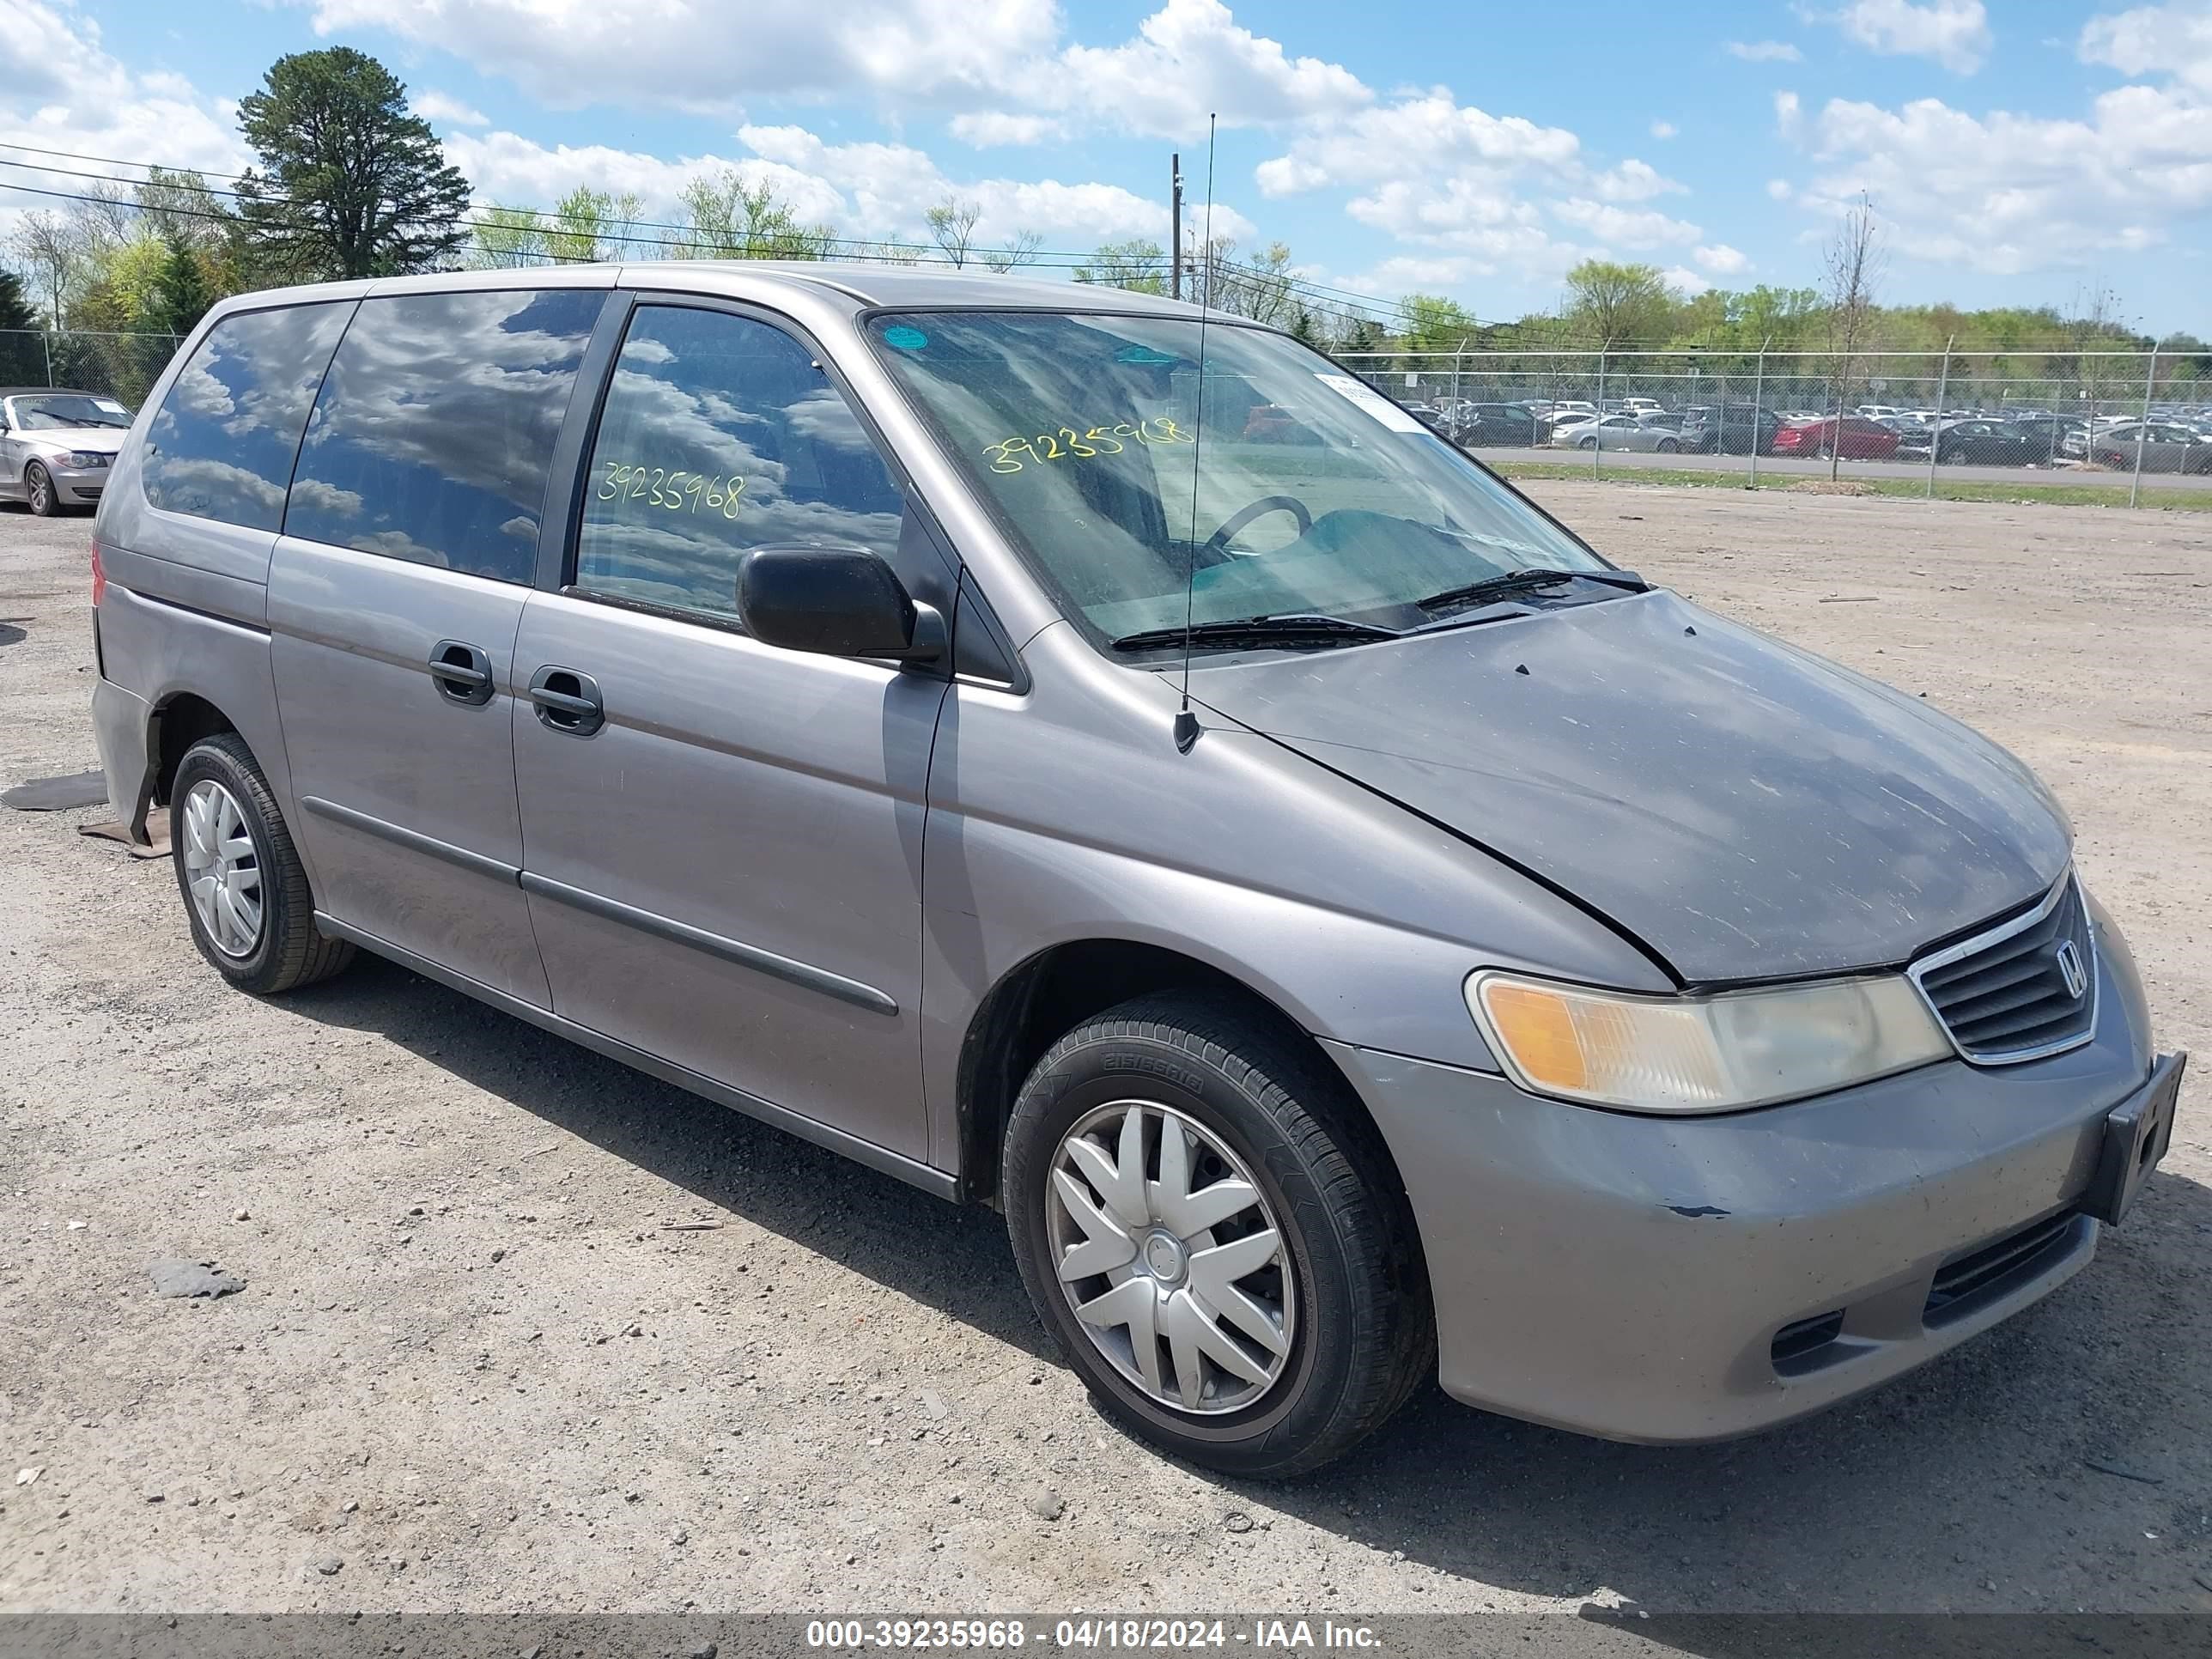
(1216, 546)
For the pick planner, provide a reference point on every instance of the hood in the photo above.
(1746, 809)
(107, 439)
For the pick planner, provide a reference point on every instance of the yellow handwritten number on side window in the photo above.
(674, 492)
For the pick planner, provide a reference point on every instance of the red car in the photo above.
(1862, 439)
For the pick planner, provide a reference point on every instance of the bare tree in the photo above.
(1856, 260)
(952, 227)
(1021, 250)
(47, 245)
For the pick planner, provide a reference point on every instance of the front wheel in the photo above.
(1586, 443)
(1668, 447)
(1209, 1229)
(38, 492)
(244, 887)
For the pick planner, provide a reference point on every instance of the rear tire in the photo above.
(245, 891)
(1668, 447)
(1343, 1299)
(39, 491)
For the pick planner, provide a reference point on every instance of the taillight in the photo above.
(99, 578)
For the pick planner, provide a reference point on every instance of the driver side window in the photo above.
(719, 434)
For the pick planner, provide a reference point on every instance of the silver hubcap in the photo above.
(39, 489)
(221, 869)
(1170, 1257)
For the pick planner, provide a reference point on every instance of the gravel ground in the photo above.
(474, 1369)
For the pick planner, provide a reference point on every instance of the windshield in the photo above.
(52, 414)
(1302, 492)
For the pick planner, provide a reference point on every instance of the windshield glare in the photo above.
(59, 414)
(1300, 490)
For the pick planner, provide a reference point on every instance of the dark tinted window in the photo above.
(221, 444)
(435, 428)
(718, 435)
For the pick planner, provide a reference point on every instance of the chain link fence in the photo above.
(2129, 421)
(121, 366)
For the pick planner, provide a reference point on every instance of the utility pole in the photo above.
(1175, 223)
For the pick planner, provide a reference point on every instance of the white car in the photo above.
(1876, 411)
(55, 447)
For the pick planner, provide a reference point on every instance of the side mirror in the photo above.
(839, 601)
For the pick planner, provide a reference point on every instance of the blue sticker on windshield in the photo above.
(905, 338)
(1144, 355)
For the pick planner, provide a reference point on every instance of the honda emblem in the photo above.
(2070, 969)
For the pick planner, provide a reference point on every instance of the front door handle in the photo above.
(461, 672)
(568, 702)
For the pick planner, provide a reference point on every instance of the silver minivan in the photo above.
(1103, 761)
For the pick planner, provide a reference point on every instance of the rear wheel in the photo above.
(1211, 1230)
(39, 491)
(1668, 447)
(244, 887)
(1586, 443)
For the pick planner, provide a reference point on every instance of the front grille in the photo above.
(2004, 995)
(1973, 1280)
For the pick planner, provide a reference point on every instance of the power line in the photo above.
(868, 250)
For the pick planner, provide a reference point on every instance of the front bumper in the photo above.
(77, 486)
(1629, 1277)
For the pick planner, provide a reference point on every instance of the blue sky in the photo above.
(2019, 151)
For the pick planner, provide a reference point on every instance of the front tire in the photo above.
(1668, 447)
(1210, 1228)
(244, 889)
(38, 492)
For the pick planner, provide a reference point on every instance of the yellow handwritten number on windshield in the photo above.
(1065, 443)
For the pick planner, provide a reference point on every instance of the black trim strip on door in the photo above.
(413, 840)
(714, 945)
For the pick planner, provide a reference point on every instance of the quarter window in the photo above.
(721, 435)
(435, 431)
(222, 443)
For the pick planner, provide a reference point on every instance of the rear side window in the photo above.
(720, 435)
(222, 443)
(434, 431)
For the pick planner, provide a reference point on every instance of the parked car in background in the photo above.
(1875, 411)
(2163, 446)
(57, 445)
(2048, 433)
(1852, 436)
(1498, 426)
(1671, 420)
(1622, 432)
(1639, 405)
(1730, 430)
(1575, 407)
(1979, 442)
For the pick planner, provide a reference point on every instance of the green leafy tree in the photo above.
(592, 224)
(351, 182)
(1139, 265)
(1612, 305)
(181, 292)
(726, 218)
(506, 237)
(22, 354)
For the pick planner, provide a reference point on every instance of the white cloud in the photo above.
(1424, 131)
(1630, 228)
(2160, 41)
(1475, 220)
(438, 110)
(709, 54)
(1190, 57)
(1688, 281)
(1764, 51)
(1787, 110)
(1633, 181)
(2006, 193)
(1778, 189)
(1720, 260)
(1663, 131)
(1955, 32)
(61, 89)
(989, 129)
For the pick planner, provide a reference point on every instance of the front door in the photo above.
(410, 544)
(724, 840)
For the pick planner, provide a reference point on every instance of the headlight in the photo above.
(81, 458)
(1719, 1053)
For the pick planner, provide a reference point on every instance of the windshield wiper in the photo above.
(1527, 580)
(1291, 628)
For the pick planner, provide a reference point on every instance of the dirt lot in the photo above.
(471, 1370)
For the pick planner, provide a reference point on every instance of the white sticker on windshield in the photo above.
(109, 406)
(1358, 392)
